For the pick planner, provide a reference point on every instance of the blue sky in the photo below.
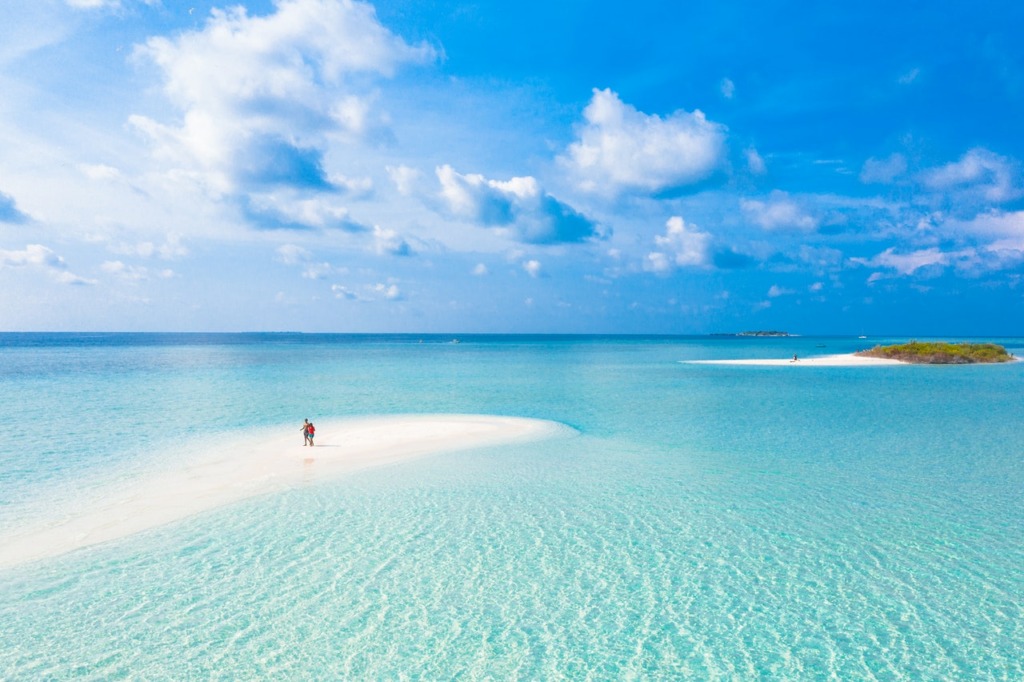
(436, 166)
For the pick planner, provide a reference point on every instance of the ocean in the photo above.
(696, 522)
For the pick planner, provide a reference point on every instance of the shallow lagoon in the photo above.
(705, 519)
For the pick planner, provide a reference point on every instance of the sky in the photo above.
(438, 166)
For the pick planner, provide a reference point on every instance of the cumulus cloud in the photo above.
(883, 171)
(988, 242)
(289, 209)
(388, 241)
(480, 270)
(42, 257)
(518, 205)
(390, 292)
(682, 245)
(994, 223)
(533, 268)
(99, 171)
(727, 88)
(1003, 253)
(133, 273)
(779, 212)
(343, 292)
(262, 96)
(404, 178)
(775, 291)
(978, 172)
(911, 262)
(291, 254)
(171, 249)
(621, 148)
(755, 163)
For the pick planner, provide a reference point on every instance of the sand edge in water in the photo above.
(846, 360)
(254, 464)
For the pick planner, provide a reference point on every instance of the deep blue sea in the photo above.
(706, 522)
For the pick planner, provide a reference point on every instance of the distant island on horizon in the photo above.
(755, 332)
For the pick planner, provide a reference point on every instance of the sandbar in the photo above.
(241, 466)
(844, 360)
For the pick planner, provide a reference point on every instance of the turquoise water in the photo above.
(707, 521)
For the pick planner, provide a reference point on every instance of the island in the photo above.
(940, 353)
(763, 333)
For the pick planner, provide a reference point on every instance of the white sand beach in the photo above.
(845, 360)
(259, 463)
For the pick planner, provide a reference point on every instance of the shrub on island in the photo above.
(940, 353)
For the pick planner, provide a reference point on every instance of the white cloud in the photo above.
(290, 254)
(132, 273)
(909, 77)
(518, 205)
(42, 257)
(353, 187)
(404, 178)
(317, 270)
(727, 88)
(99, 171)
(1003, 253)
(682, 245)
(387, 241)
(93, 4)
(620, 148)
(261, 95)
(288, 208)
(885, 170)
(979, 172)
(340, 291)
(33, 254)
(480, 270)
(171, 248)
(775, 291)
(388, 291)
(908, 263)
(992, 223)
(533, 268)
(754, 162)
(779, 212)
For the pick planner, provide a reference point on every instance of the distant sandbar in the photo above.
(845, 360)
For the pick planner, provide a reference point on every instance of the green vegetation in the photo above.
(940, 353)
(763, 333)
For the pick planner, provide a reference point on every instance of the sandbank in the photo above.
(845, 360)
(241, 466)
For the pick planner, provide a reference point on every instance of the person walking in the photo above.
(306, 439)
(309, 433)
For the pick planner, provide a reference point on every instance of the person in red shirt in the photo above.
(309, 433)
